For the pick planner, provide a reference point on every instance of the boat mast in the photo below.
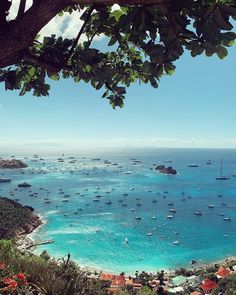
(221, 168)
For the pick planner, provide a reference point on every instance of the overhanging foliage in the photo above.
(144, 41)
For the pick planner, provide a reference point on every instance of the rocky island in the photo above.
(166, 170)
(12, 164)
(17, 221)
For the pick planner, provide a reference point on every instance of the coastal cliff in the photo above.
(12, 164)
(16, 220)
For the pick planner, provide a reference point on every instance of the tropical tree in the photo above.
(143, 40)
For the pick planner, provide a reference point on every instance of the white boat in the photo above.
(168, 161)
(5, 180)
(227, 219)
(221, 177)
(148, 234)
(211, 206)
(198, 213)
(176, 242)
(126, 240)
(172, 210)
(208, 162)
(169, 216)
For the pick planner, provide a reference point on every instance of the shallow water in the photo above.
(95, 232)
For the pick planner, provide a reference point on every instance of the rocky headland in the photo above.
(166, 170)
(12, 164)
(17, 221)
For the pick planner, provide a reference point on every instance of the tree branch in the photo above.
(51, 67)
(19, 34)
(21, 9)
(121, 2)
(80, 32)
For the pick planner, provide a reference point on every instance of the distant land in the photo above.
(12, 164)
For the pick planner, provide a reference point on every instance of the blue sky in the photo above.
(193, 108)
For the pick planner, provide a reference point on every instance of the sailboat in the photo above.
(221, 177)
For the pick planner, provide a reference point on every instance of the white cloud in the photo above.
(14, 8)
(66, 26)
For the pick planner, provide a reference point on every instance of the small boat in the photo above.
(153, 217)
(208, 162)
(176, 242)
(138, 218)
(211, 206)
(133, 210)
(126, 240)
(95, 200)
(221, 177)
(154, 201)
(198, 213)
(24, 184)
(108, 202)
(65, 201)
(168, 161)
(193, 165)
(125, 194)
(169, 216)
(148, 234)
(220, 196)
(5, 180)
(172, 210)
(170, 204)
(132, 188)
(221, 214)
(227, 219)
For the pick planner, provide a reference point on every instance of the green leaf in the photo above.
(222, 52)
(77, 79)
(53, 76)
(32, 71)
(117, 14)
(169, 68)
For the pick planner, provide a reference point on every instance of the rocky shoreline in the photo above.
(23, 239)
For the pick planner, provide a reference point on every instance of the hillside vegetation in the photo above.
(16, 220)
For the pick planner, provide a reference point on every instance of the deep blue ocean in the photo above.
(91, 205)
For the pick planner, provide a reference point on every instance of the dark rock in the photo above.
(30, 208)
(160, 167)
(166, 170)
(12, 164)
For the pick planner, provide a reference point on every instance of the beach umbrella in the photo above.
(208, 285)
(223, 272)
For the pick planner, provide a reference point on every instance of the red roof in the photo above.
(118, 281)
(223, 272)
(208, 285)
(106, 276)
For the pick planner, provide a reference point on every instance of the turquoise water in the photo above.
(95, 233)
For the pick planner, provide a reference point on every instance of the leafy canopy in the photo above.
(143, 42)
